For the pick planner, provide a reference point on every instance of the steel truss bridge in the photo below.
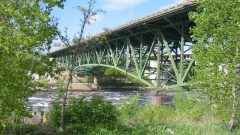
(155, 49)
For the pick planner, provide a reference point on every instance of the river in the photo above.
(42, 100)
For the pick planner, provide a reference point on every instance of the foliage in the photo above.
(136, 129)
(150, 114)
(90, 70)
(60, 88)
(131, 112)
(189, 114)
(128, 108)
(113, 72)
(83, 115)
(179, 129)
(43, 83)
(23, 129)
(111, 76)
(88, 79)
(26, 31)
(189, 105)
(216, 51)
(148, 119)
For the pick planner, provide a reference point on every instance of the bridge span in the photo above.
(155, 49)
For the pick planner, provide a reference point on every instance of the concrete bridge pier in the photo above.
(157, 98)
(95, 82)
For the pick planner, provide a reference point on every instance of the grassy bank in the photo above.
(185, 116)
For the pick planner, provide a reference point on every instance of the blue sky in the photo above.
(117, 12)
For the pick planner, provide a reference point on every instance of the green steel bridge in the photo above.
(155, 49)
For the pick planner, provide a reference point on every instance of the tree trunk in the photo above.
(64, 106)
(64, 102)
(232, 123)
(88, 13)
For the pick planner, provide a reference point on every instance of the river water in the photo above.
(42, 100)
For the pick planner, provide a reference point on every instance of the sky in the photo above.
(116, 12)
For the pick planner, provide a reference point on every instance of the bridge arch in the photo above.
(119, 69)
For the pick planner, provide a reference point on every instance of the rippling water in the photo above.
(42, 100)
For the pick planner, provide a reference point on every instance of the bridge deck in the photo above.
(165, 18)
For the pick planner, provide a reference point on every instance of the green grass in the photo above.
(186, 116)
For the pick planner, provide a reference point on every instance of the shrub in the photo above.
(23, 129)
(43, 83)
(110, 72)
(127, 109)
(88, 79)
(189, 105)
(153, 114)
(82, 115)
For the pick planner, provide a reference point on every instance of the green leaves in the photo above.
(83, 116)
(82, 9)
(26, 30)
(217, 33)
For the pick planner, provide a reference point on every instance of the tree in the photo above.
(26, 31)
(217, 34)
(74, 49)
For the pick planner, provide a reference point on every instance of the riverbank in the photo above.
(184, 116)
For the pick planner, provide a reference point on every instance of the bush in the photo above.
(110, 72)
(127, 109)
(190, 106)
(43, 83)
(23, 129)
(154, 114)
(82, 115)
(88, 79)
(112, 76)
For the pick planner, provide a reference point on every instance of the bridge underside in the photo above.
(156, 52)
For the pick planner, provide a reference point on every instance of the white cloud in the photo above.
(96, 18)
(120, 4)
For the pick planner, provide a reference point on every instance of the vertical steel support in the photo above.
(181, 59)
(121, 53)
(141, 55)
(186, 71)
(158, 60)
(112, 54)
(150, 51)
(107, 58)
(67, 60)
(98, 58)
(134, 57)
(127, 58)
(79, 60)
(88, 57)
(170, 56)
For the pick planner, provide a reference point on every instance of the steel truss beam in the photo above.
(147, 56)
